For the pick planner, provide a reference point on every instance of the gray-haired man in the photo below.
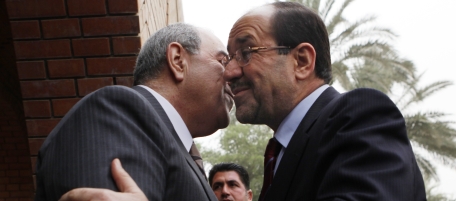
(180, 95)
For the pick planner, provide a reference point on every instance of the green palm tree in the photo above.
(363, 56)
(427, 130)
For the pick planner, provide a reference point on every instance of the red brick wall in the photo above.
(58, 51)
(64, 50)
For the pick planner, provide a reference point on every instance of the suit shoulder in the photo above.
(365, 92)
(364, 102)
(115, 92)
(114, 89)
(112, 98)
(367, 96)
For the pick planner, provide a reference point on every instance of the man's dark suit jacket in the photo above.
(350, 146)
(118, 122)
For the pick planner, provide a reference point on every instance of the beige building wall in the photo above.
(155, 14)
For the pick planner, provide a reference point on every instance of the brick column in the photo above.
(15, 168)
(59, 51)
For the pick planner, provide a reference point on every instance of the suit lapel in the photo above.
(161, 112)
(288, 167)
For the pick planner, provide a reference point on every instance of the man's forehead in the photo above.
(229, 175)
(251, 26)
(240, 40)
(247, 34)
(208, 38)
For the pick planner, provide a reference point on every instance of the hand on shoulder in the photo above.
(129, 190)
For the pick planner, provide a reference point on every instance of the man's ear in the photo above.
(305, 58)
(249, 195)
(177, 60)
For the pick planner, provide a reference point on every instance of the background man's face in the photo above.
(228, 186)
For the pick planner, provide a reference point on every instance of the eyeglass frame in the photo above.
(226, 60)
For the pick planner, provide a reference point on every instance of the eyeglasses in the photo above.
(243, 55)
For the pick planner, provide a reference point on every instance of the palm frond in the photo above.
(360, 30)
(325, 11)
(340, 70)
(417, 95)
(426, 130)
(426, 167)
(337, 18)
(312, 4)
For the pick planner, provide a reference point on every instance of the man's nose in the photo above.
(225, 189)
(232, 71)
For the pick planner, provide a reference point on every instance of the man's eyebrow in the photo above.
(216, 182)
(232, 181)
(241, 40)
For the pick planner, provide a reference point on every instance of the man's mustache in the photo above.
(239, 84)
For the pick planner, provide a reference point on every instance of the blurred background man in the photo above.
(230, 182)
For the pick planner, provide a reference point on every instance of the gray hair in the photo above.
(152, 57)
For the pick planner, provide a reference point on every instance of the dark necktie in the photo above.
(197, 158)
(270, 157)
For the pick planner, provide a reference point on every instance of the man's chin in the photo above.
(243, 114)
(223, 118)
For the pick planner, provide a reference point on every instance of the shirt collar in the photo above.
(289, 125)
(177, 121)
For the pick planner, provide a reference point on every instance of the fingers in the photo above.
(123, 180)
(92, 194)
(98, 194)
(129, 190)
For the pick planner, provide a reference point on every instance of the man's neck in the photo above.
(305, 89)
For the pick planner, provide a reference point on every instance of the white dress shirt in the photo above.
(289, 125)
(177, 121)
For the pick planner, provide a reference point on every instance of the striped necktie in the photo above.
(197, 158)
(270, 156)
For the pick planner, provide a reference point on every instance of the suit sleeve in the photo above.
(113, 122)
(364, 151)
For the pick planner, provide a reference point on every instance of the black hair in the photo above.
(293, 23)
(224, 167)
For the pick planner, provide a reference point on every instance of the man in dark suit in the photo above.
(327, 145)
(180, 95)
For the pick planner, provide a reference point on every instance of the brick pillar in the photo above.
(15, 168)
(57, 52)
